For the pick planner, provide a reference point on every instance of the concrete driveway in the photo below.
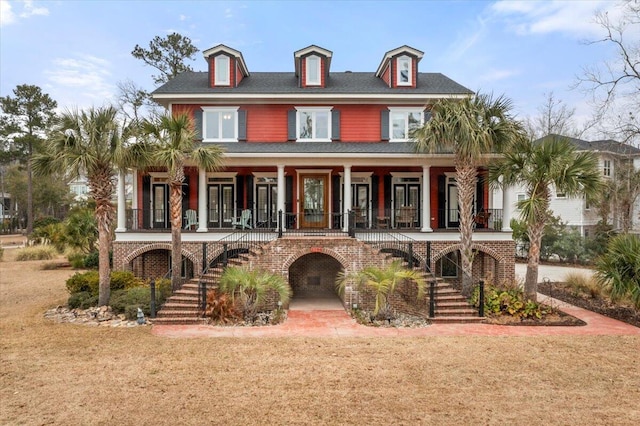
(555, 273)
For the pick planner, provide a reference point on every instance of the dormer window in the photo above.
(222, 71)
(313, 70)
(404, 71)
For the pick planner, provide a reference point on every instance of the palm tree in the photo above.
(619, 268)
(172, 143)
(93, 143)
(470, 129)
(383, 281)
(553, 162)
(252, 286)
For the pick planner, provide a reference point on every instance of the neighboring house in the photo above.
(79, 188)
(578, 213)
(323, 158)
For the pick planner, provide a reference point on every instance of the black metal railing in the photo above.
(483, 219)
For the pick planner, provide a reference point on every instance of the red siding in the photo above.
(267, 123)
(386, 75)
(239, 75)
(360, 123)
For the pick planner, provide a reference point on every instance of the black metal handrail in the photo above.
(237, 242)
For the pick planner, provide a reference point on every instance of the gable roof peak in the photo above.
(395, 52)
(230, 51)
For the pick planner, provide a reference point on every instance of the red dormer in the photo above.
(399, 67)
(312, 66)
(226, 66)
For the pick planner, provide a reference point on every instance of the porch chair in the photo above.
(244, 221)
(190, 219)
(406, 217)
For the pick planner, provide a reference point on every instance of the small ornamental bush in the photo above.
(82, 300)
(86, 281)
(36, 253)
(507, 301)
(124, 280)
(90, 261)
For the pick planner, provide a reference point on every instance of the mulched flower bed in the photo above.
(603, 306)
(557, 318)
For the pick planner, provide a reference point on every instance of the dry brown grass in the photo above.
(70, 374)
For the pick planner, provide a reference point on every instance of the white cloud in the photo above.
(575, 18)
(497, 75)
(10, 12)
(228, 13)
(183, 17)
(31, 10)
(6, 14)
(83, 80)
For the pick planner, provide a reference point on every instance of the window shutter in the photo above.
(242, 125)
(146, 204)
(375, 179)
(335, 125)
(240, 193)
(291, 124)
(386, 181)
(197, 116)
(249, 191)
(384, 125)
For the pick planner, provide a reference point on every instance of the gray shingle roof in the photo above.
(286, 83)
(605, 145)
(318, 147)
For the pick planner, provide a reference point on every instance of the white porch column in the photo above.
(134, 189)
(507, 209)
(122, 203)
(202, 200)
(426, 199)
(281, 186)
(346, 204)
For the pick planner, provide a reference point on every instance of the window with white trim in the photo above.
(313, 70)
(404, 71)
(220, 124)
(606, 168)
(313, 124)
(222, 70)
(402, 121)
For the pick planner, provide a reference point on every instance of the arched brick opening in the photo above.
(313, 275)
(487, 263)
(154, 261)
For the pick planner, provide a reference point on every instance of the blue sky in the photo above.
(78, 50)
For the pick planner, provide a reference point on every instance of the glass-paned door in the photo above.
(267, 204)
(406, 200)
(221, 205)
(314, 207)
(452, 211)
(160, 206)
(360, 204)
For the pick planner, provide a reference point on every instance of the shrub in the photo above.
(128, 300)
(124, 280)
(507, 301)
(76, 260)
(87, 281)
(581, 284)
(619, 268)
(1, 253)
(82, 300)
(90, 261)
(44, 221)
(220, 307)
(36, 253)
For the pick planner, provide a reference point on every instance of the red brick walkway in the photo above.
(337, 323)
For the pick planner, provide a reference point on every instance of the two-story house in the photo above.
(578, 212)
(321, 159)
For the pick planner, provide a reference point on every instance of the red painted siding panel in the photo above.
(360, 123)
(386, 74)
(267, 123)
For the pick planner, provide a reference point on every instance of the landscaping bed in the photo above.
(601, 305)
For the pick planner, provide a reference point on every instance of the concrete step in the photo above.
(453, 312)
(171, 313)
(179, 321)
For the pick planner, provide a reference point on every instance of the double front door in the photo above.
(221, 205)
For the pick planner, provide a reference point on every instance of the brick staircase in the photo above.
(183, 307)
(452, 307)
